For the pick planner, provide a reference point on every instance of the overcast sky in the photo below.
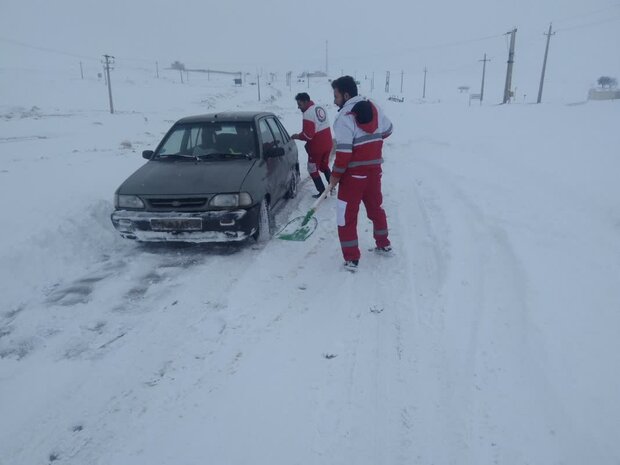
(363, 36)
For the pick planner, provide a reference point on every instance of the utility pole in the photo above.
(424, 88)
(157, 69)
(511, 56)
(109, 60)
(542, 75)
(181, 74)
(81, 70)
(258, 79)
(326, 58)
(484, 68)
(387, 82)
(402, 73)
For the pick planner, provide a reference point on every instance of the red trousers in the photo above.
(352, 190)
(318, 162)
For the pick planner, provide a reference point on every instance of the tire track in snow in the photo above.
(418, 232)
(117, 344)
(128, 397)
(493, 345)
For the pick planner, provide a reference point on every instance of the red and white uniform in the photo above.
(358, 164)
(317, 134)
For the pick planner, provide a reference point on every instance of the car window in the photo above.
(209, 139)
(266, 136)
(193, 139)
(236, 138)
(226, 128)
(172, 144)
(283, 130)
(181, 141)
(276, 132)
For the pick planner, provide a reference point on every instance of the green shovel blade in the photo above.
(298, 229)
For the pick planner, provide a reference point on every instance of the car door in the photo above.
(275, 165)
(290, 146)
(286, 167)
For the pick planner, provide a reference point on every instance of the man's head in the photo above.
(303, 101)
(244, 130)
(208, 136)
(344, 89)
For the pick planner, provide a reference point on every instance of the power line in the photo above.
(581, 26)
(422, 48)
(47, 49)
(591, 13)
(403, 51)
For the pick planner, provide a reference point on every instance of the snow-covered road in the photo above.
(489, 337)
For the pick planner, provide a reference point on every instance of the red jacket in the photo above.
(316, 131)
(360, 129)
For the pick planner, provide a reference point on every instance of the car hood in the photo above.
(187, 177)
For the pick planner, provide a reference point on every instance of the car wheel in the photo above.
(291, 193)
(265, 223)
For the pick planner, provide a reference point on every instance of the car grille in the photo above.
(178, 204)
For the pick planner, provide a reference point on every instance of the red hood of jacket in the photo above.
(366, 116)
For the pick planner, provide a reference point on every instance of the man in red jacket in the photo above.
(360, 128)
(317, 134)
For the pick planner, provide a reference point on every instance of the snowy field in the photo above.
(491, 336)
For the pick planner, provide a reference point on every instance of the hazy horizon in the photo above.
(449, 38)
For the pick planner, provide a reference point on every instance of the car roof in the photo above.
(225, 116)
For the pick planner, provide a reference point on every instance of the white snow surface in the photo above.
(491, 335)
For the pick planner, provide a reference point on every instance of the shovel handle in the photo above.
(319, 200)
(314, 207)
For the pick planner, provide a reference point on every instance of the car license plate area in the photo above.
(177, 224)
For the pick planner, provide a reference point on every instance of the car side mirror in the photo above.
(148, 154)
(275, 152)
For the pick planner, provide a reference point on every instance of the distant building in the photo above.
(313, 74)
(604, 94)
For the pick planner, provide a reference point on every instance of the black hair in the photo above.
(345, 84)
(304, 97)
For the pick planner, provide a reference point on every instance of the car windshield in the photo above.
(209, 141)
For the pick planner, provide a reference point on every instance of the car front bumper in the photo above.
(209, 226)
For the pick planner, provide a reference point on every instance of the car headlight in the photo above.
(128, 201)
(243, 199)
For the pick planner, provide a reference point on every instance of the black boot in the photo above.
(318, 182)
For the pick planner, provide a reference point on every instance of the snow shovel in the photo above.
(302, 227)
